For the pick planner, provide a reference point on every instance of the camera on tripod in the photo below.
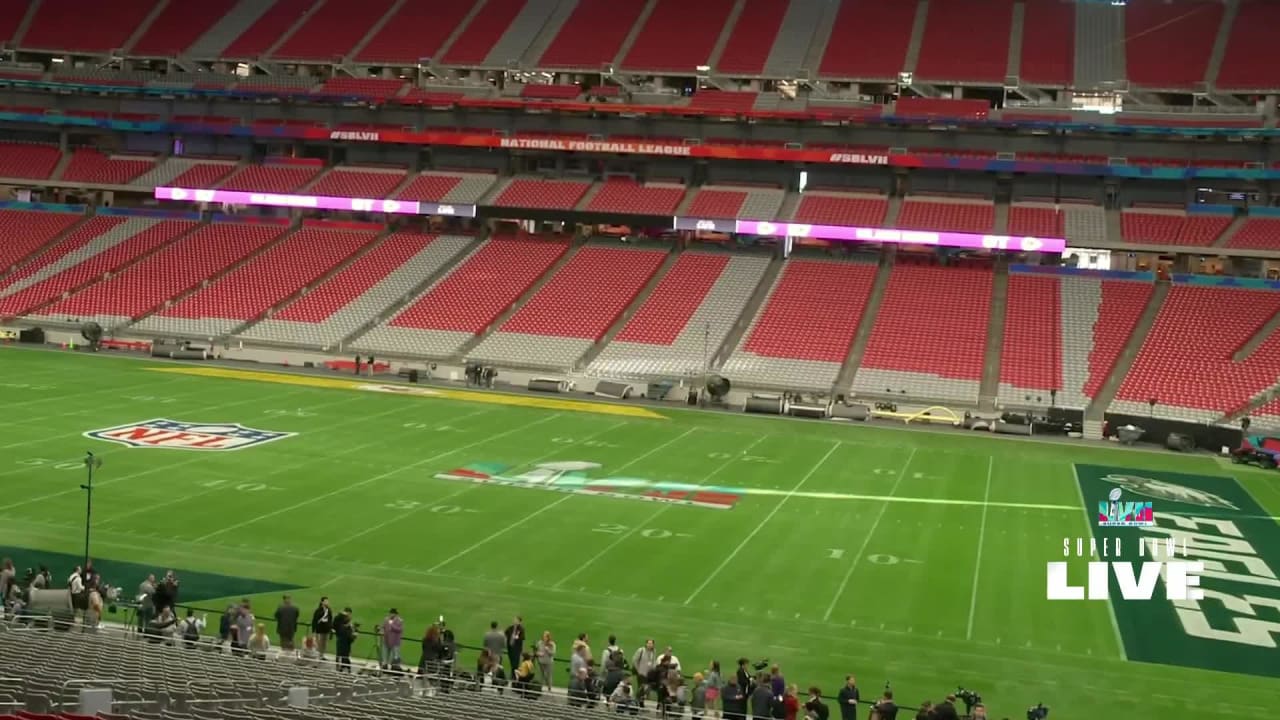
(1039, 712)
(969, 698)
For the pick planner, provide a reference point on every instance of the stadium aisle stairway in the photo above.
(753, 37)
(1098, 317)
(267, 29)
(178, 26)
(678, 36)
(686, 319)
(26, 231)
(556, 326)
(176, 269)
(466, 300)
(1031, 355)
(28, 160)
(1186, 363)
(253, 288)
(120, 244)
(107, 32)
(477, 39)
(78, 245)
(914, 350)
(443, 187)
(802, 333)
(728, 202)
(352, 297)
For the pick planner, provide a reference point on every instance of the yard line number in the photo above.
(651, 533)
(296, 412)
(877, 559)
(562, 440)
(224, 484)
(413, 505)
(740, 458)
(53, 464)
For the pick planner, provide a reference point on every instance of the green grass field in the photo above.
(910, 557)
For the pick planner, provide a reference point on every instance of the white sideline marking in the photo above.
(867, 540)
(375, 478)
(982, 533)
(763, 522)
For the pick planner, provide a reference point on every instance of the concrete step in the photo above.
(795, 37)
(1220, 42)
(1111, 385)
(520, 35)
(821, 35)
(550, 29)
(1092, 430)
(462, 26)
(1002, 218)
(1236, 223)
(730, 22)
(917, 37)
(749, 311)
(634, 33)
(228, 28)
(21, 32)
(989, 389)
(1258, 338)
(302, 20)
(1014, 66)
(145, 25)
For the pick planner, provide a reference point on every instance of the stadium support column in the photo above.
(787, 243)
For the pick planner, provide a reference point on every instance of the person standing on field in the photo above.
(287, 623)
(322, 625)
(514, 636)
(495, 642)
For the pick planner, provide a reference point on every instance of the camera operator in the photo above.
(885, 708)
(945, 710)
(344, 632)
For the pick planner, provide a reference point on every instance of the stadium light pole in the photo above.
(91, 463)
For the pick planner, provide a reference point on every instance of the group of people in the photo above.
(86, 589)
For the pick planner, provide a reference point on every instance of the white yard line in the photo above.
(77, 396)
(545, 508)
(622, 538)
(1088, 530)
(376, 478)
(844, 583)
(982, 534)
(765, 521)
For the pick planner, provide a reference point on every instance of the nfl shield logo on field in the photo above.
(179, 435)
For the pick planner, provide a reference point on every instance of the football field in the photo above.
(910, 557)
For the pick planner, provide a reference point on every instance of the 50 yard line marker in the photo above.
(844, 583)
(763, 522)
(982, 533)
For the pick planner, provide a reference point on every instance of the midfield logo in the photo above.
(1113, 513)
(179, 435)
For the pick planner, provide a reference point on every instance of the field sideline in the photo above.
(915, 558)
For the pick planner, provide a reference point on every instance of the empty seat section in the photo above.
(268, 29)
(1153, 28)
(251, 289)
(373, 88)
(722, 100)
(333, 29)
(1048, 43)
(1172, 228)
(1257, 233)
(1084, 224)
(47, 262)
(467, 300)
(678, 36)
(178, 26)
(629, 197)
(1186, 361)
(185, 173)
(821, 208)
(916, 352)
(686, 318)
(170, 272)
(1114, 319)
(1031, 356)
(93, 167)
(883, 32)
(1036, 220)
(358, 183)
(1268, 415)
(593, 34)
(11, 15)
(355, 296)
(574, 309)
(1247, 63)
(484, 30)
(26, 231)
(980, 53)
(271, 178)
(709, 203)
(415, 31)
(752, 37)
(802, 333)
(942, 215)
(109, 251)
(85, 25)
(434, 186)
(541, 194)
(23, 160)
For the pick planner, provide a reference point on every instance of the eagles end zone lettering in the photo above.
(180, 435)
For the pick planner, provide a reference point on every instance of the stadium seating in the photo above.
(556, 326)
(981, 53)
(801, 336)
(123, 243)
(26, 231)
(1031, 356)
(593, 34)
(1257, 233)
(1098, 317)
(677, 329)
(253, 288)
(333, 29)
(51, 30)
(831, 208)
(878, 54)
(358, 182)
(464, 188)
(678, 36)
(541, 193)
(917, 352)
(1246, 64)
(267, 29)
(1084, 225)
(969, 216)
(362, 290)
(176, 269)
(185, 172)
(271, 178)
(413, 32)
(481, 34)
(752, 38)
(1267, 415)
(550, 92)
(1048, 43)
(1172, 227)
(1037, 219)
(73, 242)
(11, 16)
(371, 88)
(730, 202)
(178, 26)
(92, 167)
(466, 301)
(28, 161)
(722, 101)
(1186, 362)
(1152, 28)
(632, 198)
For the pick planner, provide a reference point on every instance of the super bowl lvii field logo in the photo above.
(1113, 512)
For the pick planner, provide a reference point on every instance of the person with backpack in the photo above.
(190, 628)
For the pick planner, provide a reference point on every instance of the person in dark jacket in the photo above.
(287, 623)
(849, 698)
(761, 698)
(945, 710)
(815, 709)
(886, 708)
(515, 642)
(744, 676)
(322, 625)
(734, 700)
(344, 633)
(432, 652)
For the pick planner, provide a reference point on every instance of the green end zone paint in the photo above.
(1236, 626)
